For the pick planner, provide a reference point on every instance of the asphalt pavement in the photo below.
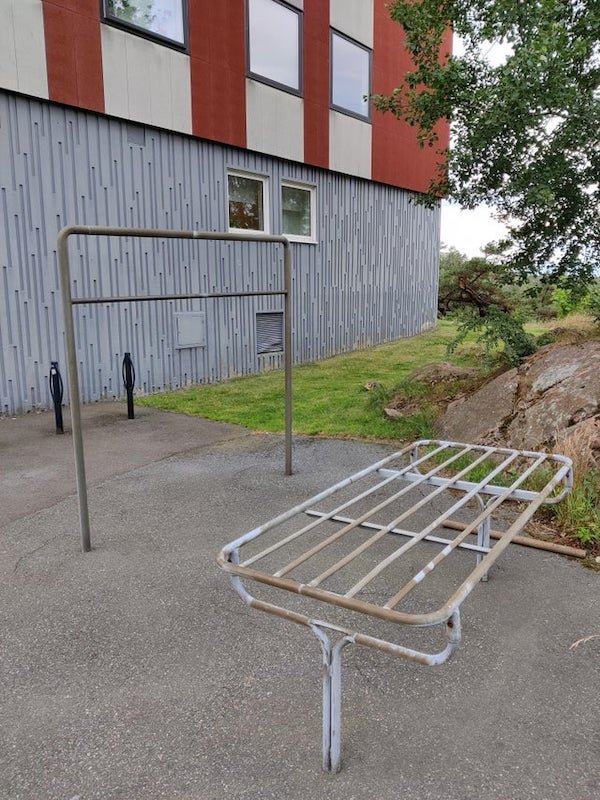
(134, 672)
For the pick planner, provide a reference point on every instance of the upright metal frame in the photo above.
(529, 478)
(69, 301)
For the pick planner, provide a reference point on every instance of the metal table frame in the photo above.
(432, 464)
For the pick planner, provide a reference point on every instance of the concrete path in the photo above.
(37, 464)
(134, 672)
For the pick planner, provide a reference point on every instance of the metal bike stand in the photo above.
(433, 467)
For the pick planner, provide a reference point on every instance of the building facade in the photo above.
(210, 115)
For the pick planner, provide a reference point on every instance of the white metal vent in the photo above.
(269, 332)
(190, 329)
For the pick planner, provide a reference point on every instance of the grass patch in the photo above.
(579, 514)
(329, 396)
(330, 399)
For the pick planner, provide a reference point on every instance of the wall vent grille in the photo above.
(269, 332)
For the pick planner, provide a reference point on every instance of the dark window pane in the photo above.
(296, 211)
(163, 17)
(274, 42)
(350, 76)
(245, 203)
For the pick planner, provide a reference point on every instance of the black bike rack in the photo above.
(129, 381)
(56, 391)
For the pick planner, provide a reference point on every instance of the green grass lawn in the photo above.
(329, 398)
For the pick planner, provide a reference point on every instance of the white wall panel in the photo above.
(354, 18)
(275, 121)
(23, 47)
(145, 81)
(349, 145)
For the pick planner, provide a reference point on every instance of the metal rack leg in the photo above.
(332, 698)
(483, 539)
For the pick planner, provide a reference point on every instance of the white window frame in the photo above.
(264, 180)
(307, 187)
(257, 76)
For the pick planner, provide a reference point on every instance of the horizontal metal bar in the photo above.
(465, 486)
(399, 531)
(496, 450)
(566, 471)
(162, 233)
(82, 301)
(427, 659)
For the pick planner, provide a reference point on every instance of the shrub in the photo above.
(592, 302)
(493, 328)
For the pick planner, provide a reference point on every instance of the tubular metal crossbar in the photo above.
(349, 555)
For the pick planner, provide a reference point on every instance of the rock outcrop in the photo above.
(553, 395)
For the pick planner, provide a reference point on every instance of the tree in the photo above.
(474, 282)
(525, 133)
(477, 292)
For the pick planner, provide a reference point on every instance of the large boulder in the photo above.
(534, 406)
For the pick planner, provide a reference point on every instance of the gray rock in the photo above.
(477, 418)
(546, 398)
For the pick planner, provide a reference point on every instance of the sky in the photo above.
(469, 231)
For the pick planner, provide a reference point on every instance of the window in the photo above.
(164, 20)
(269, 332)
(248, 202)
(350, 76)
(274, 44)
(298, 219)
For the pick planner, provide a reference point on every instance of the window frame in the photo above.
(260, 178)
(349, 112)
(256, 76)
(144, 33)
(312, 189)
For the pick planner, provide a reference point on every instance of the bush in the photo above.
(493, 328)
(592, 302)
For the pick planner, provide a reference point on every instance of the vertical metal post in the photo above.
(483, 534)
(326, 654)
(336, 703)
(287, 317)
(129, 383)
(56, 392)
(65, 281)
(332, 699)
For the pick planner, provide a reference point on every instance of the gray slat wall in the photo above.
(371, 278)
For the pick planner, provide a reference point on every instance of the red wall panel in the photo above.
(74, 53)
(397, 157)
(218, 70)
(316, 82)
